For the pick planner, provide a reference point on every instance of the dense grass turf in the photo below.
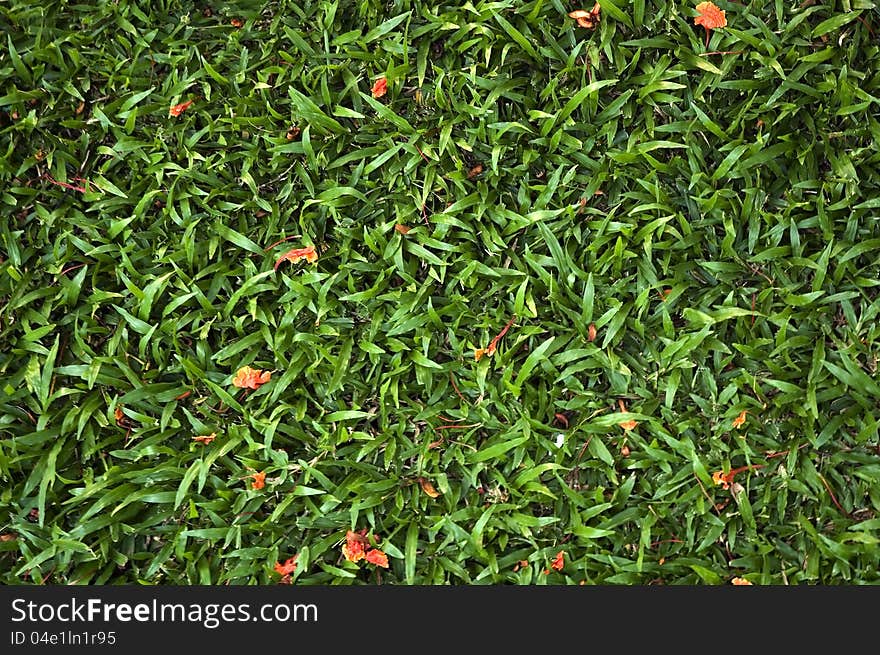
(680, 238)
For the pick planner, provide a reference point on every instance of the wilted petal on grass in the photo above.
(428, 488)
(719, 477)
(584, 18)
(293, 256)
(177, 110)
(711, 17)
(626, 425)
(205, 439)
(259, 480)
(493, 345)
(380, 87)
(739, 420)
(591, 332)
(288, 567)
(355, 546)
(377, 557)
(250, 378)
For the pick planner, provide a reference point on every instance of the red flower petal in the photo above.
(293, 256)
(250, 378)
(177, 110)
(377, 557)
(259, 480)
(380, 87)
(288, 567)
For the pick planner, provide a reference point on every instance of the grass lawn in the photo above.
(523, 300)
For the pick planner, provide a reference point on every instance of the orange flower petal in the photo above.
(711, 17)
(740, 582)
(250, 378)
(206, 439)
(493, 345)
(584, 18)
(428, 488)
(739, 420)
(380, 87)
(293, 256)
(377, 557)
(402, 229)
(558, 561)
(628, 425)
(259, 480)
(177, 110)
(718, 477)
(591, 332)
(288, 567)
(354, 548)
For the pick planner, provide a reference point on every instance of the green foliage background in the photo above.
(744, 182)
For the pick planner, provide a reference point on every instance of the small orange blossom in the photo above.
(259, 480)
(293, 256)
(177, 110)
(288, 567)
(380, 87)
(377, 557)
(205, 439)
(711, 18)
(250, 378)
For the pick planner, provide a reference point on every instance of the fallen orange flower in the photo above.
(626, 425)
(711, 18)
(558, 561)
(177, 110)
(259, 480)
(591, 332)
(206, 439)
(293, 256)
(428, 488)
(355, 546)
(586, 19)
(377, 557)
(250, 378)
(380, 87)
(493, 345)
(401, 228)
(739, 420)
(726, 479)
(288, 567)
(522, 564)
(738, 582)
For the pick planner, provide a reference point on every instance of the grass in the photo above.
(672, 237)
